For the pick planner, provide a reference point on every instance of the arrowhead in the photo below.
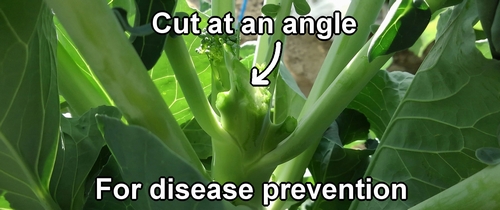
(258, 79)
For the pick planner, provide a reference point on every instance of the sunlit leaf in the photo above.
(449, 111)
(489, 14)
(402, 27)
(29, 103)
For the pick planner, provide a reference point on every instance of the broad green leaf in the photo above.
(318, 166)
(248, 49)
(29, 103)
(200, 140)
(348, 126)
(380, 98)
(81, 143)
(332, 134)
(110, 168)
(164, 79)
(449, 111)
(334, 164)
(4, 204)
(353, 126)
(405, 22)
(270, 10)
(142, 157)
(76, 81)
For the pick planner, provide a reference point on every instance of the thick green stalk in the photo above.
(328, 107)
(80, 93)
(186, 76)
(342, 50)
(284, 11)
(344, 47)
(96, 33)
(221, 7)
(319, 116)
(479, 191)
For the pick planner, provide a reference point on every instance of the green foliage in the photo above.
(128, 142)
(29, 108)
(488, 155)
(406, 21)
(380, 98)
(301, 7)
(445, 116)
(80, 146)
(329, 156)
(196, 117)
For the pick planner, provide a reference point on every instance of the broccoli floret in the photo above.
(215, 45)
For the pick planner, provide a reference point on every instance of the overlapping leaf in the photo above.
(164, 78)
(334, 164)
(29, 103)
(81, 142)
(149, 47)
(289, 98)
(142, 157)
(489, 14)
(380, 98)
(404, 24)
(109, 168)
(450, 110)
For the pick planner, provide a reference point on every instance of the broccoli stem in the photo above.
(221, 7)
(319, 116)
(186, 76)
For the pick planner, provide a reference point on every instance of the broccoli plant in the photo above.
(99, 110)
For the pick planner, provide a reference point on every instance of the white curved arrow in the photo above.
(257, 79)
